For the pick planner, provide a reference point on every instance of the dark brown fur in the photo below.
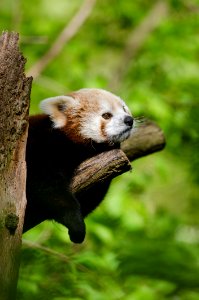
(52, 156)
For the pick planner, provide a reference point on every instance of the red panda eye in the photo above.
(107, 116)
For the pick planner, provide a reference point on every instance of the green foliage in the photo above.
(142, 243)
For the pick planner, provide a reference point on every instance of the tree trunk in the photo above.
(14, 104)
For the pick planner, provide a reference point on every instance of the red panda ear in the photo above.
(55, 107)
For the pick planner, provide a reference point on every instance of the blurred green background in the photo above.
(143, 241)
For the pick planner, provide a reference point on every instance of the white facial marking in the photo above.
(51, 107)
(91, 127)
(116, 129)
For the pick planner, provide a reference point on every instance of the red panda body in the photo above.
(57, 143)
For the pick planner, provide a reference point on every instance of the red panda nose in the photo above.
(128, 120)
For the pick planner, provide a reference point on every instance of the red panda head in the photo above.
(90, 114)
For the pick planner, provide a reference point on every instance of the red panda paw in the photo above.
(74, 221)
(77, 235)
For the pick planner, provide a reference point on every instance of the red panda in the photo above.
(73, 128)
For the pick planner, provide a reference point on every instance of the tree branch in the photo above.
(100, 168)
(136, 40)
(64, 37)
(147, 138)
(38, 246)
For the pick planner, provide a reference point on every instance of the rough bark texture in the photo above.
(100, 168)
(147, 138)
(14, 105)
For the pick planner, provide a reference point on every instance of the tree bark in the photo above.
(14, 105)
(102, 167)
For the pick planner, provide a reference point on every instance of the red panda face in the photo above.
(90, 114)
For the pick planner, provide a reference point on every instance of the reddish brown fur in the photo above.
(103, 126)
(75, 117)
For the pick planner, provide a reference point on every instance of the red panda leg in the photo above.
(74, 221)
